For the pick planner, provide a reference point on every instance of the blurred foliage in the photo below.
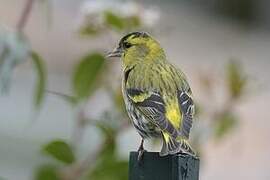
(108, 166)
(47, 172)
(85, 74)
(113, 20)
(120, 23)
(236, 79)
(225, 122)
(14, 50)
(39, 66)
(88, 30)
(222, 119)
(99, 17)
(236, 82)
(60, 150)
(70, 99)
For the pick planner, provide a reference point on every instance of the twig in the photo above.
(25, 15)
(78, 129)
(78, 169)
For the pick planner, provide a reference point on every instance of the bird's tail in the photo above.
(174, 146)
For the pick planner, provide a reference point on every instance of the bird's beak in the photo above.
(117, 52)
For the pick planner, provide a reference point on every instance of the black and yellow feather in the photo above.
(157, 95)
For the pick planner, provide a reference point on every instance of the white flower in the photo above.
(92, 13)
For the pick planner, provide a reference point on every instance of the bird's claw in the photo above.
(140, 154)
(141, 151)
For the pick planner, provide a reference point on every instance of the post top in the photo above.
(171, 167)
(156, 154)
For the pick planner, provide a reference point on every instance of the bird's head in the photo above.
(137, 47)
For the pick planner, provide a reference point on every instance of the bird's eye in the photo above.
(127, 45)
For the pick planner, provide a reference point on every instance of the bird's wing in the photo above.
(187, 108)
(152, 106)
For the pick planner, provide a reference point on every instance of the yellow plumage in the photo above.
(157, 95)
(173, 114)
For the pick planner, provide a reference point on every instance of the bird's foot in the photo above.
(140, 154)
(141, 151)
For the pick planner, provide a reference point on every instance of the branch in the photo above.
(25, 15)
(77, 170)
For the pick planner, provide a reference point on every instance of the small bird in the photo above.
(157, 95)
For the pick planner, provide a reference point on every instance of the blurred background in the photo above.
(61, 109)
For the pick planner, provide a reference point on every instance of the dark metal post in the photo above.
(171, 167)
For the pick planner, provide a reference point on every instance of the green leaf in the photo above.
(60, 150)
(89, 30)
(236, 79)
(114, 20)
(46, 172)
(86, 74)
(39, 66)
(224, 123)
